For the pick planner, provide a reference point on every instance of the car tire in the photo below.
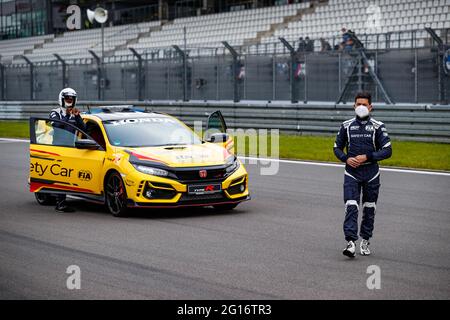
(225, 207)
(45, 199)
(116, 195)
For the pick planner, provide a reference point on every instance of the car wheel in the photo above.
(116, 195)
(225, 207)
(45, 199)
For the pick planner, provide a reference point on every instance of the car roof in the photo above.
(107, 116)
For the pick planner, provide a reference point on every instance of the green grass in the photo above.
(421, 155)
(14, 129)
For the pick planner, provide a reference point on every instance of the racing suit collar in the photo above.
(363, 121)
(62, 111)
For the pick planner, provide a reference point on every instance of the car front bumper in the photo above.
(169, 193)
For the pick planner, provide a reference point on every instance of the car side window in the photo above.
(216, 121)
(56, 133)
(93, 129)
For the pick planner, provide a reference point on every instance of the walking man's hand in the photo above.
(361, 158)
(353, 162)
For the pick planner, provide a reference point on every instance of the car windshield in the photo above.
(149, 132)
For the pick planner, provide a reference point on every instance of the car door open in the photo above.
(216, 131)
(63, 159)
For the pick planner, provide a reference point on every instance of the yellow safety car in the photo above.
(127, 158)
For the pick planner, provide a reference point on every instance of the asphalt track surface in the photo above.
(286, 243)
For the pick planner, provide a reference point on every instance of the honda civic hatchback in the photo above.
(127, 159)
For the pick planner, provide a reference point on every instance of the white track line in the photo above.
(310, 163)
(13, 140)
(329, 164)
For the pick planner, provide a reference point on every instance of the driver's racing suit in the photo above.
(64, 136)
(359, 137)
(60, 136)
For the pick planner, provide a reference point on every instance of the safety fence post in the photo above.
(2, 82)
(99, 74)
(64, 71)
(31, 76)
(292, 52)
(183, 56)
(141, 79)
(235, 55)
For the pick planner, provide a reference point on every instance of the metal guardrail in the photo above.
(403, 121)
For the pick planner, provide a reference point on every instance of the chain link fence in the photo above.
(406, 75)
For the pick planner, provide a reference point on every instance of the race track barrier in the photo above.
(417, 122)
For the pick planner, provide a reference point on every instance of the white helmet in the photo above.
(67, 92)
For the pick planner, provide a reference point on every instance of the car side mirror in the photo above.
(86, 144)
(218, 137)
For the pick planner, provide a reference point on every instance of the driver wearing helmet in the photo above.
(64, 136)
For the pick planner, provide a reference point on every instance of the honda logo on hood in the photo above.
(202, 173)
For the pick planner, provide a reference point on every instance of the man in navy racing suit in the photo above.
(64, 134)
(366, 142)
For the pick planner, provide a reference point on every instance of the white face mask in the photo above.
(361, 111)
(68, 104)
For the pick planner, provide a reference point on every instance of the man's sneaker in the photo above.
(63, 207)
(364, 247)
(350, 250)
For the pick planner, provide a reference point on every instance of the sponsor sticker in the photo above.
(204, 188)
(141, 120)
(84, 175)
(55, 169)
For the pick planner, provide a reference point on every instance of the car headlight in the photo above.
(152, 171)
(233, 166)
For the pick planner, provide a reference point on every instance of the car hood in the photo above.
(206, 154)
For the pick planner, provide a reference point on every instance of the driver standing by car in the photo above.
(64, 136)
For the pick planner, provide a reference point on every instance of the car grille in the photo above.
(194, 176)
(192, 198)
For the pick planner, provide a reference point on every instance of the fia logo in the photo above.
(84, 175)
(369, 128)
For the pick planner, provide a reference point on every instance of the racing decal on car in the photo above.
(204, 189)
(37, 184)
(229, 145)
(185, 157)
(44, 158)
(116, 158)
(84, 175)
(140, 120)
(226, 154)
(47, 181)
(55, 169)
(142, 157)
(45, 152)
